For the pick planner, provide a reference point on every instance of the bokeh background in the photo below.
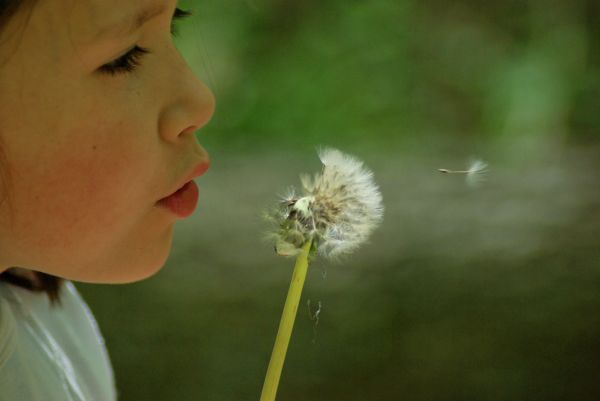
(488, 293)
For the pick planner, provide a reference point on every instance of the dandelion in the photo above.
(336, 212)
(474, 174)
(338, 209)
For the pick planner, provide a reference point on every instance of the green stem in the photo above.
(285, 325)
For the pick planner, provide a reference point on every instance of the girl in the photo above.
(97, 119)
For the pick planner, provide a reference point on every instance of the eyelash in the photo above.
(128, 62)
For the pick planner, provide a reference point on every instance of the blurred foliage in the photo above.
(486, 294)
(299, 72)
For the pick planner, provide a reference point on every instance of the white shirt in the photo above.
(51, 352)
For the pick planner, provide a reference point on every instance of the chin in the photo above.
(139, 269)
(144, 261)
(139, 274)
(130, 267)
(119, 273)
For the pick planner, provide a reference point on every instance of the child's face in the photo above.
(90, 153)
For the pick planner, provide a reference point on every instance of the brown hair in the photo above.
(36, 281)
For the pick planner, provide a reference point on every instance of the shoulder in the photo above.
(77, 312)
(52, 348)
(7, 329)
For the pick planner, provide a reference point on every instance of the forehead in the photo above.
(95, 19)
(55, 27)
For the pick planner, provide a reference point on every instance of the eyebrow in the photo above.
(133, 22)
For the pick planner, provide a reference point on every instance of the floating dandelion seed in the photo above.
(475, 174)
(337, 211)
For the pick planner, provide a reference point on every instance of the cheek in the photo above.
(87, 193)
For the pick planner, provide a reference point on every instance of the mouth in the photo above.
(182, 202)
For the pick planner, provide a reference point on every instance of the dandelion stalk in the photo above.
(337, 212)
(286, 325)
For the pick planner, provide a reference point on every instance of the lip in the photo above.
(183, 198)
(196, 171)
(183, 202)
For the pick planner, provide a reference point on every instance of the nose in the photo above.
(191, 106)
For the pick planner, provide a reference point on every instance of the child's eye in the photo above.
(132, 59)
(126, 63)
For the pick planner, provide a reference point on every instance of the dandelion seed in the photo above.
(314, 317)
(475, 174)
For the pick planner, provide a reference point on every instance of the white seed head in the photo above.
(338, 210)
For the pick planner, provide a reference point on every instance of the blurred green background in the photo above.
(490, 293)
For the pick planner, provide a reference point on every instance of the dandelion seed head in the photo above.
(338, 209)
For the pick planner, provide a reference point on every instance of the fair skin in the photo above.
(90, 153)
